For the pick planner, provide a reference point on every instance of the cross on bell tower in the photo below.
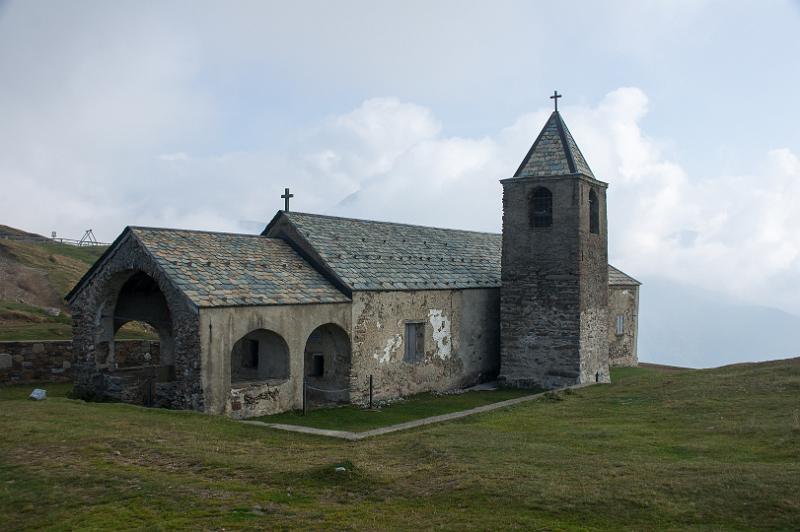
(555, 98)
(286, 196)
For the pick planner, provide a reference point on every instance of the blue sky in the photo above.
(198, 114)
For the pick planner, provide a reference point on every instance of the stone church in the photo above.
(326, 304)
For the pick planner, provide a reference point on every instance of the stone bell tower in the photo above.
(554, 293)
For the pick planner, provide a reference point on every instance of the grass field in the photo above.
(357, 419)
(705, 449)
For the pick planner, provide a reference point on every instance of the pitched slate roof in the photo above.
(226, 269)
(369, 255)
(617, 277)
(554, 152)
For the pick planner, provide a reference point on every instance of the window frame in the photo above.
(620, 325)
(252, 355)
(594, 212)
(317, 365)
(541, 215)
(417, 327)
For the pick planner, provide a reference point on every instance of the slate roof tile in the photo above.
(215, 269)
(407, 256)
(618, 277)
(554, 152)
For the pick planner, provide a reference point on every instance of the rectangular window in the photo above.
(250, 354)
(317, 365)
(415, 342)
(620, 325)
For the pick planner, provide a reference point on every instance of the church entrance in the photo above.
(327, 365)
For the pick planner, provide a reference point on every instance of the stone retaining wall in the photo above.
(43, 361)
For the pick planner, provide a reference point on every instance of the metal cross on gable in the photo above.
(286, 196)
(555, 98)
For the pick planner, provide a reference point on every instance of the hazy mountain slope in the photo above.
(689, 326)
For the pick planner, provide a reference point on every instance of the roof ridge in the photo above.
(569, 146)
(391, 223)
(528, 155)
(562, 133)
(200, 231)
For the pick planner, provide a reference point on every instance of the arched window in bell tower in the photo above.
(541, 208)
(594, 213)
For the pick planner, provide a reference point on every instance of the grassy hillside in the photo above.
(35, 276)
(707, 449)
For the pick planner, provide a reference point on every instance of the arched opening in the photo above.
(594, 213)
(541, 207)
(132, 304)
(327, 364)
(260, 356)
(139, 307)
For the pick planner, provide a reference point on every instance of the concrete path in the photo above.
(356, 436)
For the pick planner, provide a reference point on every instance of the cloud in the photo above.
(737, 234)
(177, 156)
(124, 117)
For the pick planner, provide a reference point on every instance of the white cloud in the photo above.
(734, 233)
(113, 119)
(177, 156)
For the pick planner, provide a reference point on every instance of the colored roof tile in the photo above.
(222, 269)
(554, 152)
(369, 255)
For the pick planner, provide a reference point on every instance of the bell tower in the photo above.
(554, 292)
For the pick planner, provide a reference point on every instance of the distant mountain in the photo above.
(688, 326)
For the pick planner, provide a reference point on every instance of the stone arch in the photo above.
(134, 296)
(260, 356)
(327, 362)
(541, 207)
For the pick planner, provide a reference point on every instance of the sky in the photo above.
(198, 114)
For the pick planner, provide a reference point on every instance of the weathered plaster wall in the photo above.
(554, 287)
(623, 301)
(173, 383)
(461, 340)
(222, 327)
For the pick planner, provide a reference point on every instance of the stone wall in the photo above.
(51, 361)
(623, 301)
(553, 311)
(94, 323)
(593, 267)
(461, 341)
